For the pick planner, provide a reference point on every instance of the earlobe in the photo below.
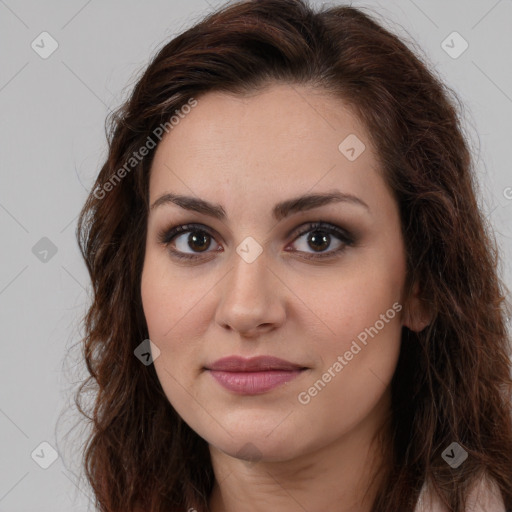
(417, 315)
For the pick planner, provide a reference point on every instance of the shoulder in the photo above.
(485, 496)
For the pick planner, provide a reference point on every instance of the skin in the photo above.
(248, 153)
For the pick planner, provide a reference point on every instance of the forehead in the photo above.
(282, 140)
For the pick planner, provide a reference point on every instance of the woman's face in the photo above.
(253, 288)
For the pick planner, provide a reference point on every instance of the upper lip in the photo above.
(252, 364)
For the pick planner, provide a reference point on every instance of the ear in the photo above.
(416, 315)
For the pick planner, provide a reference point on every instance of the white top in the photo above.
(485, 497)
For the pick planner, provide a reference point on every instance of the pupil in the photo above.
(202, 238)
(323, 239)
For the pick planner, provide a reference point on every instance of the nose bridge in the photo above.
(247, 284)
(250, 295)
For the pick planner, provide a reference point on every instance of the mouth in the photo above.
(255, 375)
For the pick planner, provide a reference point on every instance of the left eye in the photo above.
(320, 236)
(199, 238)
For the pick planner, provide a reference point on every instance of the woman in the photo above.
(288, 213)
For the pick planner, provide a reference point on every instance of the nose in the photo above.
(253, 298)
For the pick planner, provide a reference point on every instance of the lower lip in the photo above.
(253, 383)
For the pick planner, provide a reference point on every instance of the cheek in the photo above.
(357, 357)
(167, 321)
(171, 306)
(176, 320)
(361, 318)
(159, 307)
(347, 303)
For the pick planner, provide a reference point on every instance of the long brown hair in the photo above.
(452, 382)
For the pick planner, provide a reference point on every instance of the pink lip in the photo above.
(255, 375)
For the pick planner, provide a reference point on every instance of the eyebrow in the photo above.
(280, 211)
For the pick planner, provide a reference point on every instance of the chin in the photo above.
(254, 446)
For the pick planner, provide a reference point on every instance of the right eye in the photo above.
(187, 236)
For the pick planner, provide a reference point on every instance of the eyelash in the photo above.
(166, 236)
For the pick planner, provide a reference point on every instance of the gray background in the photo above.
(53, 143)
